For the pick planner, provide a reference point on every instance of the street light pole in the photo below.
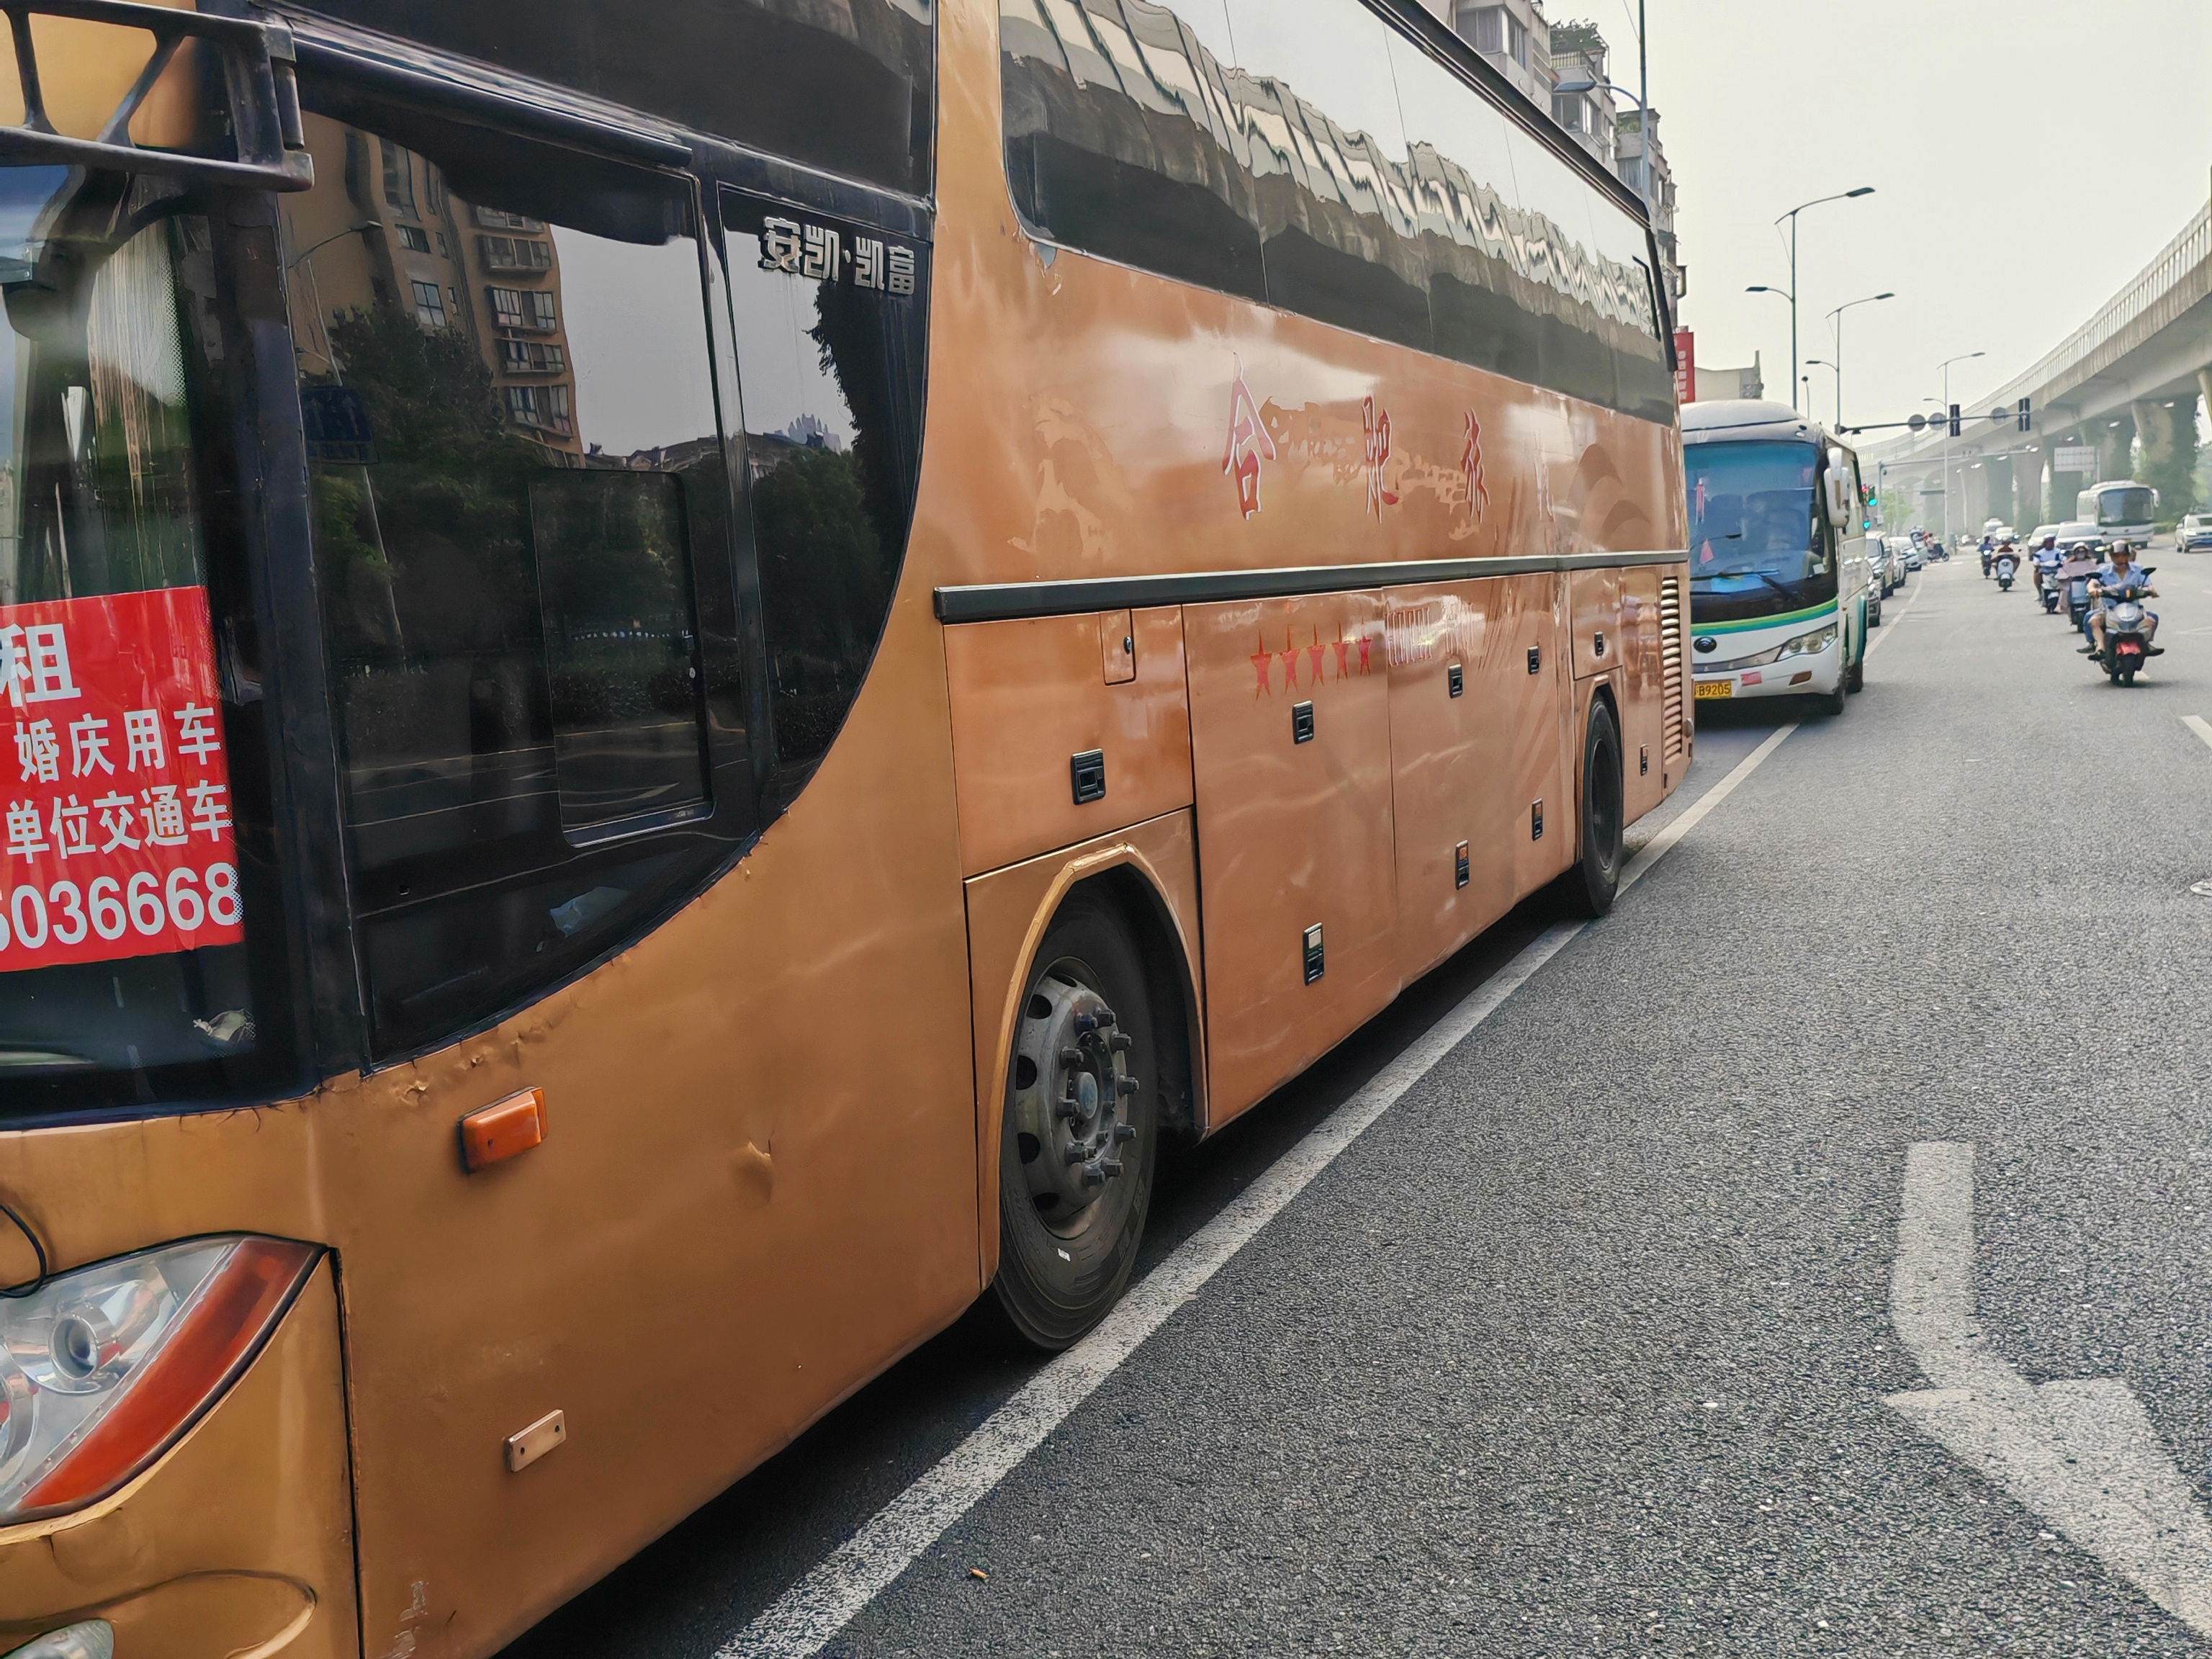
(1790, 294)
(1822, 362)
(1943, 414)
(1841, 196)
(1835, 329)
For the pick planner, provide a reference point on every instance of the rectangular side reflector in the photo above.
(549, 1433)
(492, 1133)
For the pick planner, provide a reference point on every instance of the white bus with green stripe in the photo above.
(1780, 550)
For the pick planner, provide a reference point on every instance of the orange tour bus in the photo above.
(681, 672)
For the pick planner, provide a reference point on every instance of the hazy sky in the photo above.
(2028, 158)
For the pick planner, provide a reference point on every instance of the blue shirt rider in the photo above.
(2118, 577)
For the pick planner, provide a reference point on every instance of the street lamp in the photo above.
(1822, 362)
(1841, 196)
(1643, 96)
(1835, 329)
(1943, 414)
(1762, 288)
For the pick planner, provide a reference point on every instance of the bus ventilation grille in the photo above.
(1672, 739)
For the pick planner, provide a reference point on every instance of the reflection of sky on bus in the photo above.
(639, 382)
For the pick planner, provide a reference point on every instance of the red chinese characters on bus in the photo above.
(116, 794)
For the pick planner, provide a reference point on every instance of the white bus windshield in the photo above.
(1755, 537)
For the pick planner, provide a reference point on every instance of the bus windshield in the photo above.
(125, 973)
(2134, 504)
(1757, 543)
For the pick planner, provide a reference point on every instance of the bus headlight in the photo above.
(1808, 645)
(101, 1368)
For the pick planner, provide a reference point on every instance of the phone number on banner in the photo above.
(64, 921)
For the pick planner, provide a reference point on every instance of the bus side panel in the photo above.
(759, 1168)
(1029, 696)
(1593, 606)
(1293, 833)
(1642, 690)
(1449, 754)
(1008, 911)
(1536, 811)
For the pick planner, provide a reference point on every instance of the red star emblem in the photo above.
(1343, 658)
(1314, 651)
(1289, 657)
(1260, 660)
(1366, 645)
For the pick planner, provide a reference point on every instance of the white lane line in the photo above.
(2197, 724)
(813, 1610)
(2082, 1453)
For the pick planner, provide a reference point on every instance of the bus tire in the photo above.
(1856, 680)
(1588, 890)
(1069, 1226)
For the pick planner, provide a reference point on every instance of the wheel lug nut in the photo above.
(1077, 1152)
(1126, 1085)
(1093, 1175)
(1121, 1040)
(1110, 1166)
(1125, 1133)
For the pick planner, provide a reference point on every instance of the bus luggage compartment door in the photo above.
(1290, 748)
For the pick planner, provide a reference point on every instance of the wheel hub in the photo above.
(1070, 1080)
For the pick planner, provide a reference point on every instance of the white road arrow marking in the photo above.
(2082, 1453)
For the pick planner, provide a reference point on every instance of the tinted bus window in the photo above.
(831, 325)
(1383, 193)
(1466, 215)
(848, 86)
(142, 954)
(1122, 138)
(519, 494)
(1315, 96)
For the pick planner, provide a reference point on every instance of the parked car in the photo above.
(1894, 572)
(2194, 533)
(1918, 552)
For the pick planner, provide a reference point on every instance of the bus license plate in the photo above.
(1715, 689)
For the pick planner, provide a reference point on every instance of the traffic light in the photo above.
(1955, 420)
(2025, 423)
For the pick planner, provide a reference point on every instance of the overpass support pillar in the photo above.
(2169, 439)
(2028, 487)
(2116, 446)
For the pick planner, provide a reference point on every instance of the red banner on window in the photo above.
(1685, 367)
(117, 803)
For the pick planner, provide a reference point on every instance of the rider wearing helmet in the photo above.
(2119, 577)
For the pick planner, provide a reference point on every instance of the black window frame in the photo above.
(724, 592)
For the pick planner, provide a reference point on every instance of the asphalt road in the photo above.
(1585, 1343)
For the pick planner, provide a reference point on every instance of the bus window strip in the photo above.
(1263, 130)
(1009, 601)
(437, 84)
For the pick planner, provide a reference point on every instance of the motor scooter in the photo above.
(2127, 645)
(2004, 565)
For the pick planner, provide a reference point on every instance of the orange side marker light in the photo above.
(492, 1133)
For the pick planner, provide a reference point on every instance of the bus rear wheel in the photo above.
(1081, 1135)
(1588, 890)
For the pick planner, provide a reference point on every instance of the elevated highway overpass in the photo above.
(2137, 367)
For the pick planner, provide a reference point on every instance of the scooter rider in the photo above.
(2048, 558)
(1988, 554)
(2119, 577)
